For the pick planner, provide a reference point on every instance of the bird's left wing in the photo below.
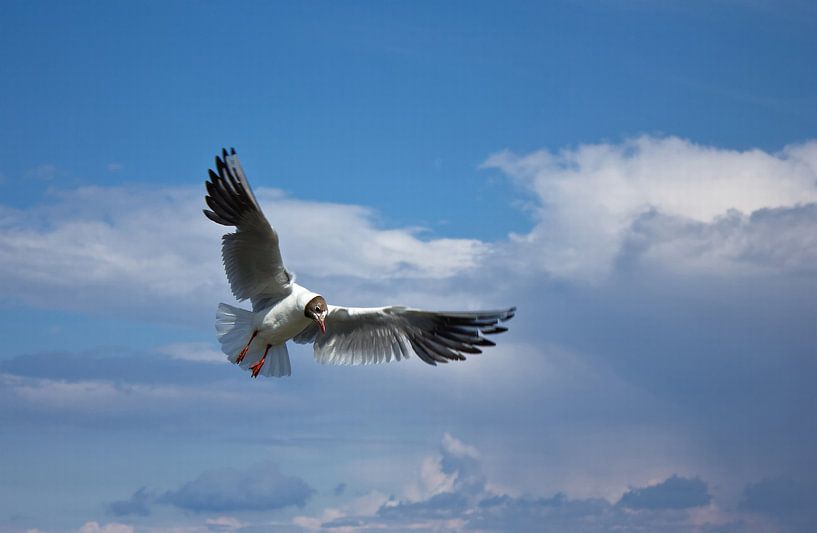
(251, 255)
(360, 336)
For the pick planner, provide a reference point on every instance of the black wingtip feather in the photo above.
(215, 218)
(229, 196)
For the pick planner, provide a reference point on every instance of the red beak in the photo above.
(322, 325)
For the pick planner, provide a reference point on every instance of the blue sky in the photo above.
(639, 178)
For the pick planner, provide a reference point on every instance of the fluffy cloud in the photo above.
(159, 256)
(663, 201)
(709, 201)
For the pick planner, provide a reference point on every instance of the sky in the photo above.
(639, 178)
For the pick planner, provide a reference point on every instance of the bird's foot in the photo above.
(256, 368)
(246, 348)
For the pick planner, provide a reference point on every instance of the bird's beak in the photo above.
(322, 325)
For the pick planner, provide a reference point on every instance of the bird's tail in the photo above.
(235, 328)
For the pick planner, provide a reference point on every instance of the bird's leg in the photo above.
(246, 348)
(256, 368)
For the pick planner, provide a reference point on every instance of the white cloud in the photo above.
(141, 250)
(201, 352)
(588, 198)
(113, 527)
(103, 396)
(150, 252)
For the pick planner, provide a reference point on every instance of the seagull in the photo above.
(283, 310)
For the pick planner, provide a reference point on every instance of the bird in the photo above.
(283, 310)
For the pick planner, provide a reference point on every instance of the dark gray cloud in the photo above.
(339, 489)
(138, 504)
(260, 487)
(777, 239)
(673, 493)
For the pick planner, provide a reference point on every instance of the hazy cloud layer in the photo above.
(258, 487)
(790, 502)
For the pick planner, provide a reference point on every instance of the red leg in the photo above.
(256, 368)
(246, 348)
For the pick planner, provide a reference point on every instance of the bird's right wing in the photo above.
(360, 336)
(251, 255)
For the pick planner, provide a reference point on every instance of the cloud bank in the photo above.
(453, 494)
(663, 318)
(681, 204)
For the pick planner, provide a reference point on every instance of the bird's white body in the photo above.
(284, 319)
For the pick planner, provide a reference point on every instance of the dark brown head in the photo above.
(316, 310)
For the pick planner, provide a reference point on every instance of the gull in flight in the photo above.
(283, 310)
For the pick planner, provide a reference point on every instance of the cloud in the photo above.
(685, 373)
(200, 352)
(459, 498)
(137, 504)
(224, 523)
(95, 527)
(587, 200)
(673, 493)
(156, 253)
(260, 487)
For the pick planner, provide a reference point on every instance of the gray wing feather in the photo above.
(251, 255)
(357, 336)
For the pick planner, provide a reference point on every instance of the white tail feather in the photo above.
(277, 363)
(234, 328)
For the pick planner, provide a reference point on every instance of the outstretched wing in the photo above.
(251, 255)
(361, 336)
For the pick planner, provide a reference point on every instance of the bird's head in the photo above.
(316, 310)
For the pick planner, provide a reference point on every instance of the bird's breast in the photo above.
(282, 322)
